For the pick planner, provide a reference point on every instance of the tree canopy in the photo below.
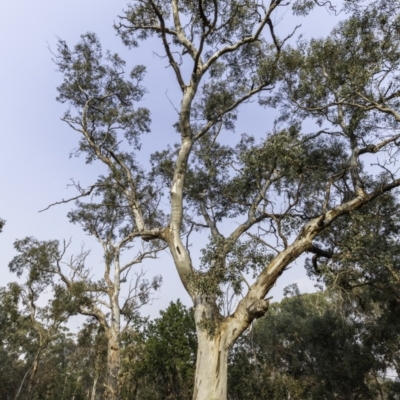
(321, 181)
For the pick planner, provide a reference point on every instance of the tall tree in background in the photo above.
(77, 291)
(43, 322)
(40, 359)
(281, 192)
(14, 339)
(311, 346)
(351, 79)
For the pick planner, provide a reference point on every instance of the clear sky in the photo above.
(35, 167)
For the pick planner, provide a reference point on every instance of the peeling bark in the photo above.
(216, 335)
(211, 367)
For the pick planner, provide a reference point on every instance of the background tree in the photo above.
(57, 366)
(365, 268)
(33, 345)
(313, 346)
(86, 366)
(44, 321)
(281, 193)
(77, 291)
(168, 356)
(350, 80)
(13, 341)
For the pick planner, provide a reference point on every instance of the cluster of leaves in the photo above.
(96, 86)
(35, 353)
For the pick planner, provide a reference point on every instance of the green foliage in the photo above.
(286, 193)
(164, 362)
(35, 258)
(309, 346)
(366, 268)
(95, 86)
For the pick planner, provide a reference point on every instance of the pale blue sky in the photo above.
(35, 167)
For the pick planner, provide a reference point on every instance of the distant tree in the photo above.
(76, 291)
(366, 268)
(14, 340)
(281, 193)
(43, 322)
(31, 342)
(314, 347)
(89, 363)
(309, 346)
(166, 367)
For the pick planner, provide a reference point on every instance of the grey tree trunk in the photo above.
(76, 387)
(113, 367)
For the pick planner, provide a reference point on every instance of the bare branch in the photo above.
(171, 59)
(84, 193)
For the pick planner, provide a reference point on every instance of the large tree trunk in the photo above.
(211, 367)
(216, 335)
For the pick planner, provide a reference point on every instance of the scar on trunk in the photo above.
(219, 359)
(178, 250)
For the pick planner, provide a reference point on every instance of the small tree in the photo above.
(281, 193)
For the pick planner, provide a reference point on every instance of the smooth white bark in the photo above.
(211, 367)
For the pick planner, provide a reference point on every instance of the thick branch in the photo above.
(303, 243)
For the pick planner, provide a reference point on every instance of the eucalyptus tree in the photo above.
(351, 81)
(281, 192)
(14, 340)
(45, 322)
(361, 259)
(89, 362)
(34, 351)
(317, 347)
(78, 290)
